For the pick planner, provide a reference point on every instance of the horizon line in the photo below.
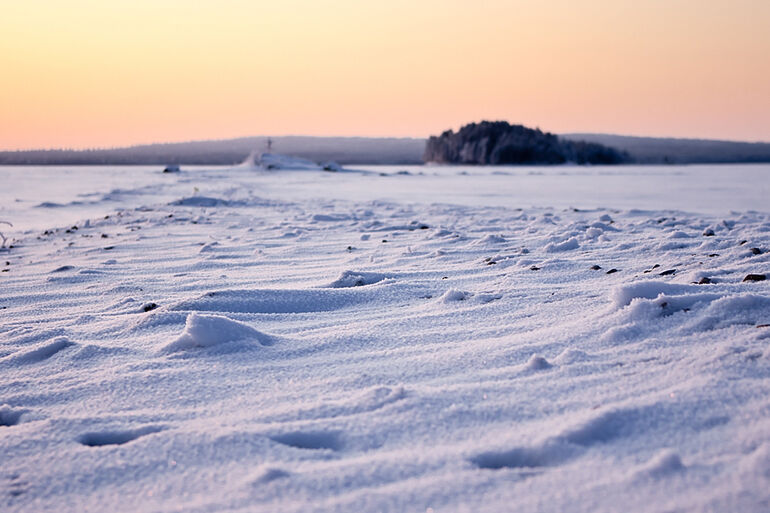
(221, 139)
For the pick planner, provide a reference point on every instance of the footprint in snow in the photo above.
(10, 416)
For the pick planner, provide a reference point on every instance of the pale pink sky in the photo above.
(87, 73)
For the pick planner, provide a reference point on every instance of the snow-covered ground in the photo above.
(434, 339)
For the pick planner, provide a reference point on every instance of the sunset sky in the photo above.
(98, 73)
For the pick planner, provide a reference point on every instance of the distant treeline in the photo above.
(344, 150)
(500, 143)
(654, 150)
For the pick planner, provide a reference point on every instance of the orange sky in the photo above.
(94, 73)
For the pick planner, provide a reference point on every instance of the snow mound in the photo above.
(664, 463)
(211, 330)
(707, 311)
(208, 247)
(490, 239)
(605, 218)
(727, 311)
(571, 355)
(623, 295)
(604, 227)
(536, 363)
(648, 308)
(454, 295)
(356, 279)
(567, 245)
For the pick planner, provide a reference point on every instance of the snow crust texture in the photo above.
(230, 352)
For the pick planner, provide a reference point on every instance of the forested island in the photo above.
(500, 143)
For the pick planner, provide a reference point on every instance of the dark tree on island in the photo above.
(498, 142)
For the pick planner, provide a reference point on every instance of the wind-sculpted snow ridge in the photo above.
(224, 352)
(103, 438)
(285, 301)
(38, 353)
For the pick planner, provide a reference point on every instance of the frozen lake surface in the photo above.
(397, 339)
(38, 197)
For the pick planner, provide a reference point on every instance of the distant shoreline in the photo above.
(375, 151)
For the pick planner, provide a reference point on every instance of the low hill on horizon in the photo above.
(343, 150)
